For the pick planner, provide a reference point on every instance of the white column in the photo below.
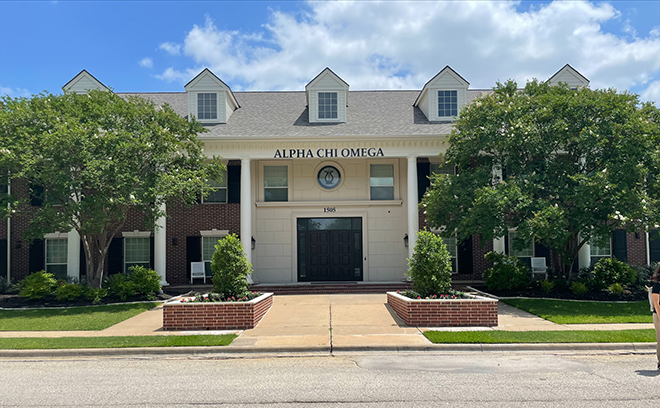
(160, 247)
(73, 255)
(498, 245)
(584, 255)
(413, 208)
(246, 211)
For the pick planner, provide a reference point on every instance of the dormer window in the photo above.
(327, 105)
(447, 104)
(207, 106)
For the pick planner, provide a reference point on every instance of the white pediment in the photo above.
(207, 81)
(327, 81)
(83, 83)
(569, 75)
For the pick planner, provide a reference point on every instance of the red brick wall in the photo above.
(445, 313)
(215, 316)
(636, 243)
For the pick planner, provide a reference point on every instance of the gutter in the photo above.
(8, 233)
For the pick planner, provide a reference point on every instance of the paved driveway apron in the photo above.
(312, 321)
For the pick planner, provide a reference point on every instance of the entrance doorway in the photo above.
(329, 249)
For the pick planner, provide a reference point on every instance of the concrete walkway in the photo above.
(318, 322)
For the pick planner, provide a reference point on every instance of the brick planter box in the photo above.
(216, 316)
(477, 311)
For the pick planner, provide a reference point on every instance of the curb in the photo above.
(229, 350)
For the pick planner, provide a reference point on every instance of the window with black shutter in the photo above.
(620, 245)
(3, 257)
(116, 256)
(465, 261)
(37, 260)
(654, 245)
(233, 184)
(193, 251)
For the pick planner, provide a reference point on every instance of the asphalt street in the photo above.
(367, 380)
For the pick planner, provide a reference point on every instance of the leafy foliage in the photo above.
(616, 289)
(68, 291)
(6, 287)
(578, 288)
(37, 285)
(609, 271)
(230, 268)
(547, 286)
(138, 281)
(94, 157)
(119, 286)
(507, 273)
(570, 166)
(430, 265)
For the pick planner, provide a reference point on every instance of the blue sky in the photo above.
(158, 46)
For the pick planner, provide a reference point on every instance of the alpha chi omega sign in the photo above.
(326, 153)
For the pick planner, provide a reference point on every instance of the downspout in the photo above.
(8, 233)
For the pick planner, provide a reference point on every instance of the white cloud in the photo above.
(171, 48)
(14, 92)
(146, 62)
(652, 93)
(401, 45)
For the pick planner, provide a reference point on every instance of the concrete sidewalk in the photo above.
(330, 322)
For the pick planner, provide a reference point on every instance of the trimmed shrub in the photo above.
(6, 287)
(37, 285)
(145, 281)
(120, 286)
(609, 271)
(94, 294)
(68, 291)
(616, 289)
(578, 288)
(561, 285)
(230, 268)
(547, 286)
(429, 268)
(507, 273)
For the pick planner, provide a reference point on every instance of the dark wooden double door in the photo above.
(329, 249)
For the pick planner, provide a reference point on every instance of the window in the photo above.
(526, 253)
(442, 169)
(208, 248)
(381, 181)
(3, 189)
(137, 251)
(56, 257)
(600, 248)
(218, 193)
(276, 183)
(452, 248)
(447, 103)
(327, 105)
(207, 106)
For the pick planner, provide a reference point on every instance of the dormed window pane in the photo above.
(207, 106)
(327, 105)
(447, 103)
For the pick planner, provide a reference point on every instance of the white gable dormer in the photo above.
(83, 83)
(327, 97)
(209, 99)
(571, 76)
(443, 96)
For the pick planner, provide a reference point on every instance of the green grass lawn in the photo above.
(115, 342)
(570, 312)
(577, 336)
(74, 318)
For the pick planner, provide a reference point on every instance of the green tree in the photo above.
(562, 166)
(230, 268)
(429, 267)
(95, 157)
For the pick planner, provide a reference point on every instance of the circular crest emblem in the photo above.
(329, 177)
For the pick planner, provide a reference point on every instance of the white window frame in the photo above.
(318, 107)
(517, 253)
(262, 179)
(146, 263)
(437, 105)
(594, 258)
(395, 186)
(210, 238)
(217, 105)
(61, 238)
(215, 186)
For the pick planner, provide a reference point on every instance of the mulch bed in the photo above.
(628, 296)
(13, 301)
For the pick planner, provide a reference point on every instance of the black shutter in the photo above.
(233, 184)
(620, 245)
(36, 196)
(506, 244)
(83, 260)
(193, 251)
(423, 182)
(37, 256)
(541, 250)
(3, 257)
(654, 245)
(465, 261)
(151, 253)
(116, 256)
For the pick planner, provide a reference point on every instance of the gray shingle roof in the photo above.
(284, 114)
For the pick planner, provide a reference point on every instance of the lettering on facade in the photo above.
(328, 153)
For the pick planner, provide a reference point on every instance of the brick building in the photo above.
(321, 185)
